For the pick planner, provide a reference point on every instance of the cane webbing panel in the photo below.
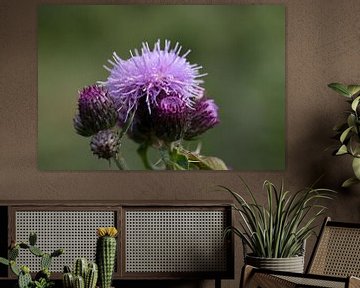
(75, 231)
(175, 241)
(338, 252)
(263, 280)
(300, 282)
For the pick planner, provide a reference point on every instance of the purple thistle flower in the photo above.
(203, 117)
(166, 123)
(147, 74)
(96, 111)
(105, 144)
(170, 118)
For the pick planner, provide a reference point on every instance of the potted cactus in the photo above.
(106, 254)
(84, 275)
(42, 278)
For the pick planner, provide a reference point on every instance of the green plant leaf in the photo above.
(342, 150)
(353, 89)
(345, 134)
(4, 261)
(349, 182)
(355, 103)
(351, 120)
(182, 161)
(280, 228)
(354, 146)
(340, 88)
(356, 167)
(207, 162)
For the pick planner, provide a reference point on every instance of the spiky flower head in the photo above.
(202, 118)
(96, 111)
(106, 231)
(151, 72)
(105, 144)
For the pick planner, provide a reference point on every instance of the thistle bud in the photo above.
(96, 111)
(203, 117)
(170, 118)
(105, 144)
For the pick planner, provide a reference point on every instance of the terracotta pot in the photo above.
(291, 264)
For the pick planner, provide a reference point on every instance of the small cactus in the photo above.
(42, 278)
(24, 277)
(44, 273)
(45, 261)
(32, 238)
(68, 280)
(13, 253)
(57, 252)
(106, 254)
(84, 274)
(80, 268)
(14, 268)
(36, 251)
(91, 276)
(79, 282)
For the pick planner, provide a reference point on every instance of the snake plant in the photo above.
(279, 228)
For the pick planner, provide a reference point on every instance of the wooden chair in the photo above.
(335, 262)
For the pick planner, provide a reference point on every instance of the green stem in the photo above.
(142, 151)
(127, 124)
(164, 152)
(120, 163)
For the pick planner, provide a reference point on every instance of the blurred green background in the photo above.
(241, 47)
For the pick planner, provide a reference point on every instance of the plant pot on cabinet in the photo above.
(290, 264)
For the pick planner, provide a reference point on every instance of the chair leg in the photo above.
(217, 283)
(246, 273)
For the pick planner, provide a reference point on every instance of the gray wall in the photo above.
(322, 46)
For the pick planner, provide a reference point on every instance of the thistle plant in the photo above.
(42, 278)
(279, 229)
(106, 254)
(155, 98)
(348, 133)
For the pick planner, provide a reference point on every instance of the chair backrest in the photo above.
(337, 251)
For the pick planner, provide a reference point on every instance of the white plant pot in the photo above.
(291, 264)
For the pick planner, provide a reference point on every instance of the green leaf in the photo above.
(349, 182)
(340, 88)
(356, 167)
(4, 261)
(351, 120)
(355, 103)
(342, 150)
(353, 89)
(354, 146)
(181, 160)
(213, 163)
(345, 134)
